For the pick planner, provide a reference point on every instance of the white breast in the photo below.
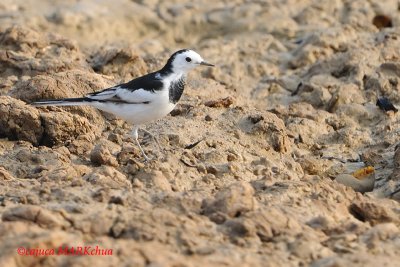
(158, 105)
(158, 108)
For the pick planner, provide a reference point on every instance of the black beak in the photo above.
(206, 64)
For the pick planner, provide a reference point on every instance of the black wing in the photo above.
(149, 82)
(139, 90)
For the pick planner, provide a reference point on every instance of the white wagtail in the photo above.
(144, 99)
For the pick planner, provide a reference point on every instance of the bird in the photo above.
(143, 99)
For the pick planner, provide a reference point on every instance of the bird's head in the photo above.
(185, 60)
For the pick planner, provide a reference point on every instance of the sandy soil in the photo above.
(289, 108)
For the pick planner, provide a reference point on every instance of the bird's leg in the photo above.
(135, 135)
(154, 138)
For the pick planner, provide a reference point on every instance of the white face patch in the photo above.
(186, 61)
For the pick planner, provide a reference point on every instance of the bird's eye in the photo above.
(188, 59)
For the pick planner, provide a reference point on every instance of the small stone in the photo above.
(137, 184)
(19, 121)
(372, 212)
(208, 118)
(101, 155)
(122, 61)
(154, 179)
(233, 200)
(382, 21)
(101, 195)
(108, 177)
(231, 157)
(174, 139)
(220, 103)
(308, 249)
(330, 262)
(218, 217)
(319, 222)
(373, 158)
(378, 233)
(218, 169)
(116, 138)
(270, 127)
(5, 175)
(36, 214)
(312, 166)
(117, 200)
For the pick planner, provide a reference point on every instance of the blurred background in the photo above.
(251, 41)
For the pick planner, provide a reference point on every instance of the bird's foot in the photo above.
(147, 159)
(160, 149)
(135, 136)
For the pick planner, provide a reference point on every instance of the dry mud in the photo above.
(289, 107)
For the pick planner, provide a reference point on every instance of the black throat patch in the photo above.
(176, 89)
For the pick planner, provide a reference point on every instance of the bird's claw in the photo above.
(147, 159)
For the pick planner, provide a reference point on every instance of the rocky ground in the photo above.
(251, 153)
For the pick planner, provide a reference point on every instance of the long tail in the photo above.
(64, 102)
